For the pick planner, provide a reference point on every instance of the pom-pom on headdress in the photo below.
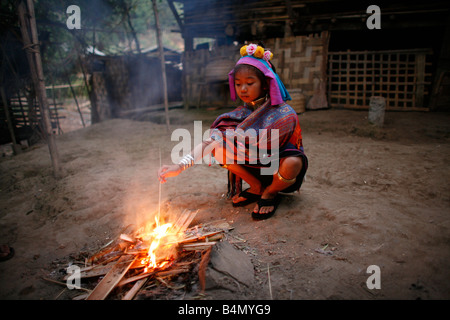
(258, 57)
(256, 51)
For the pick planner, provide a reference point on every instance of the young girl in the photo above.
(275, 135)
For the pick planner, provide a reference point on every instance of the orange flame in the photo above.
(160, 239)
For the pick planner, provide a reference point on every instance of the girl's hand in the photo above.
(168, 171)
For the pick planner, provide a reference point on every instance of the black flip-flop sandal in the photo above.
(9, 256)
(249, 198)
(266, 203)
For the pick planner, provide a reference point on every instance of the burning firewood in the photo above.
(151, 252)
(111, 279)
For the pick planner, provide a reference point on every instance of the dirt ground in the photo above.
(372, 196)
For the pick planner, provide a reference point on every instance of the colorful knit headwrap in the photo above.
(277, 91)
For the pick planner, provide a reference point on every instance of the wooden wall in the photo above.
(299, 61)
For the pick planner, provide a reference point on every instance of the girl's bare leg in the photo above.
(255, 184)
(239, 170)
(289, 169)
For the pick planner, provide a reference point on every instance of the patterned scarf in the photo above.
(282, 118)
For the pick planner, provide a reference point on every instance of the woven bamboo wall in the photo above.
(299, 61)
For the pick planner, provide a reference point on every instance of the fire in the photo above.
(161, 240)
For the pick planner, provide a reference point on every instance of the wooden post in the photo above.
(420, 78)
(442, 68)
(37, 73)
(163, 63)
(55, 104)
(176, 15)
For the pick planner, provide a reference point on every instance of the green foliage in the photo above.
(107, 25)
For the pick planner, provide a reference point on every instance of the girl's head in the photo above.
(254, 77)
(250, 83)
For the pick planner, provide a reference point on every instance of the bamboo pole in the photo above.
(35, 62)
(163, 63)
(76, 101)
(55, 104)
(94, 111)
(176, 15)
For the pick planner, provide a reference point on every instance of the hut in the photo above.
(330, 51)
(129, 85)
(20, 114)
